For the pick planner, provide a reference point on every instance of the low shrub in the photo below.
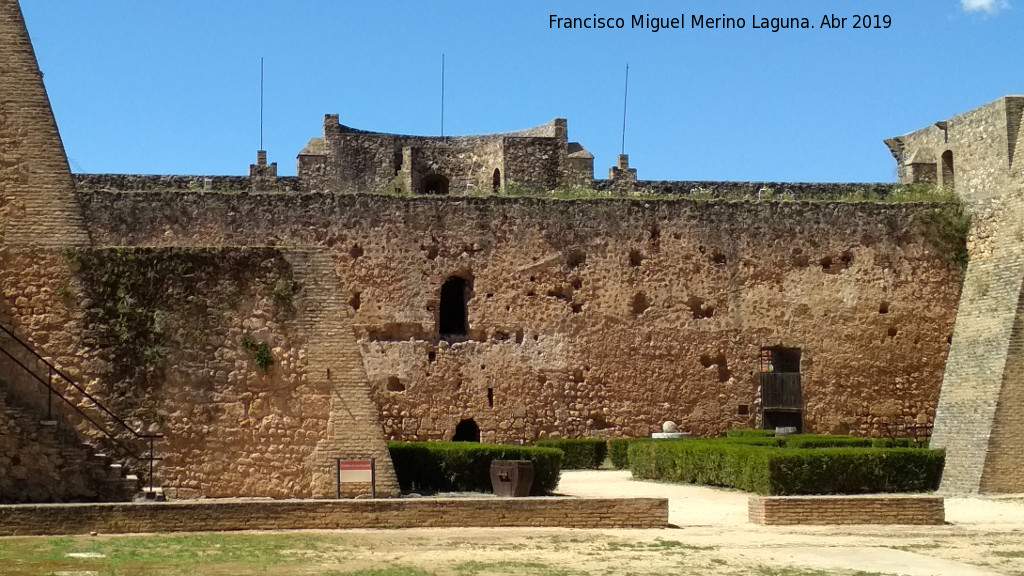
(617, 451)
(894, 443)
(580, 454)
(752, 440)
(429, 467)
(749, 433)
(824, 441)
(773, 471)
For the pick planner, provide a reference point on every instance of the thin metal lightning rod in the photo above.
(625, 97)
(442, 95)
(261, 103)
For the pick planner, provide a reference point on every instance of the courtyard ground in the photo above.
(983, 536)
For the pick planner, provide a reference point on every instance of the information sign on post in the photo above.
(358, 472)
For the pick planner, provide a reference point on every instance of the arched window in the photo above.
(947, 168)
(453, 319)
(496, 180)
(435, 184)
(467, 431)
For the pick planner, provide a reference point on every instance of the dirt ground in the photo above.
(981, 536)
(710, 535)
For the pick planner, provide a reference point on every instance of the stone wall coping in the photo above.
(904, 496)
(262, 514)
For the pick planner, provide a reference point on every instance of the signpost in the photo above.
(359, 472)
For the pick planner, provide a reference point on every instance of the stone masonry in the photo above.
(979, 420)
(402, 287)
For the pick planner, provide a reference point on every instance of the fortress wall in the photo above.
(979, 423)
(164, 335)
(468, 168)
(535, 164)
(605, 314)
(765, 190)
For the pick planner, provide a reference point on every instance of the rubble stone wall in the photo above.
(605, 316)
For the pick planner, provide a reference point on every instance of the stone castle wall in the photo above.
(979, 421)
(604, 315)
(347, 160)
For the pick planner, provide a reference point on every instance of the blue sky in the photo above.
(173, 87)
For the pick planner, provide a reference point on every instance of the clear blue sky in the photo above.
(173, 87)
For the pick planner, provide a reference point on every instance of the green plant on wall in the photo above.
(259, 350)
(946, 229)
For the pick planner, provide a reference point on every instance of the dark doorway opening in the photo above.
(435, 184)
(781, 395)
(453, 319)
(467, 431)
(781, 419)
(947, 168)
(496, 180)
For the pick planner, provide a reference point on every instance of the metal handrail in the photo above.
(52, 370)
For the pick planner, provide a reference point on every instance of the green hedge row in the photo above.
(774, 472)
(429, 467)
(579, 454)
(749, 433)
(800, 441)
(618, 452)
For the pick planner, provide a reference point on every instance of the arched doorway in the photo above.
(947, 168)
(435, 184)
(467, 431)
(453, 318)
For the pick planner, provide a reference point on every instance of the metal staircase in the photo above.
(55, 393)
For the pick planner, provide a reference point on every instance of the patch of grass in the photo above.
(153, 554)
(518, 568)
(656, 544)
(1008, 553)
(399, 571)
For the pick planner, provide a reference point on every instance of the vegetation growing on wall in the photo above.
(946, 229)
(148, 306)
(259, 350)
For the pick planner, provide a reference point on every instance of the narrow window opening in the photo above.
(467, 431)
(490, 397)
(947, 168)
(453, 319)
(496, 180)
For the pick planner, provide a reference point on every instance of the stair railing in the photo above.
(120, 424)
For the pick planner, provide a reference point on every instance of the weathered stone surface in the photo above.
(334, 514)
(979, 420)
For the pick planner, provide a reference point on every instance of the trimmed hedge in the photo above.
(579, 454)
(749, 433)
(617, 451)
(824, 441)
(890, 443)
(777, 472)
(429, 467)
